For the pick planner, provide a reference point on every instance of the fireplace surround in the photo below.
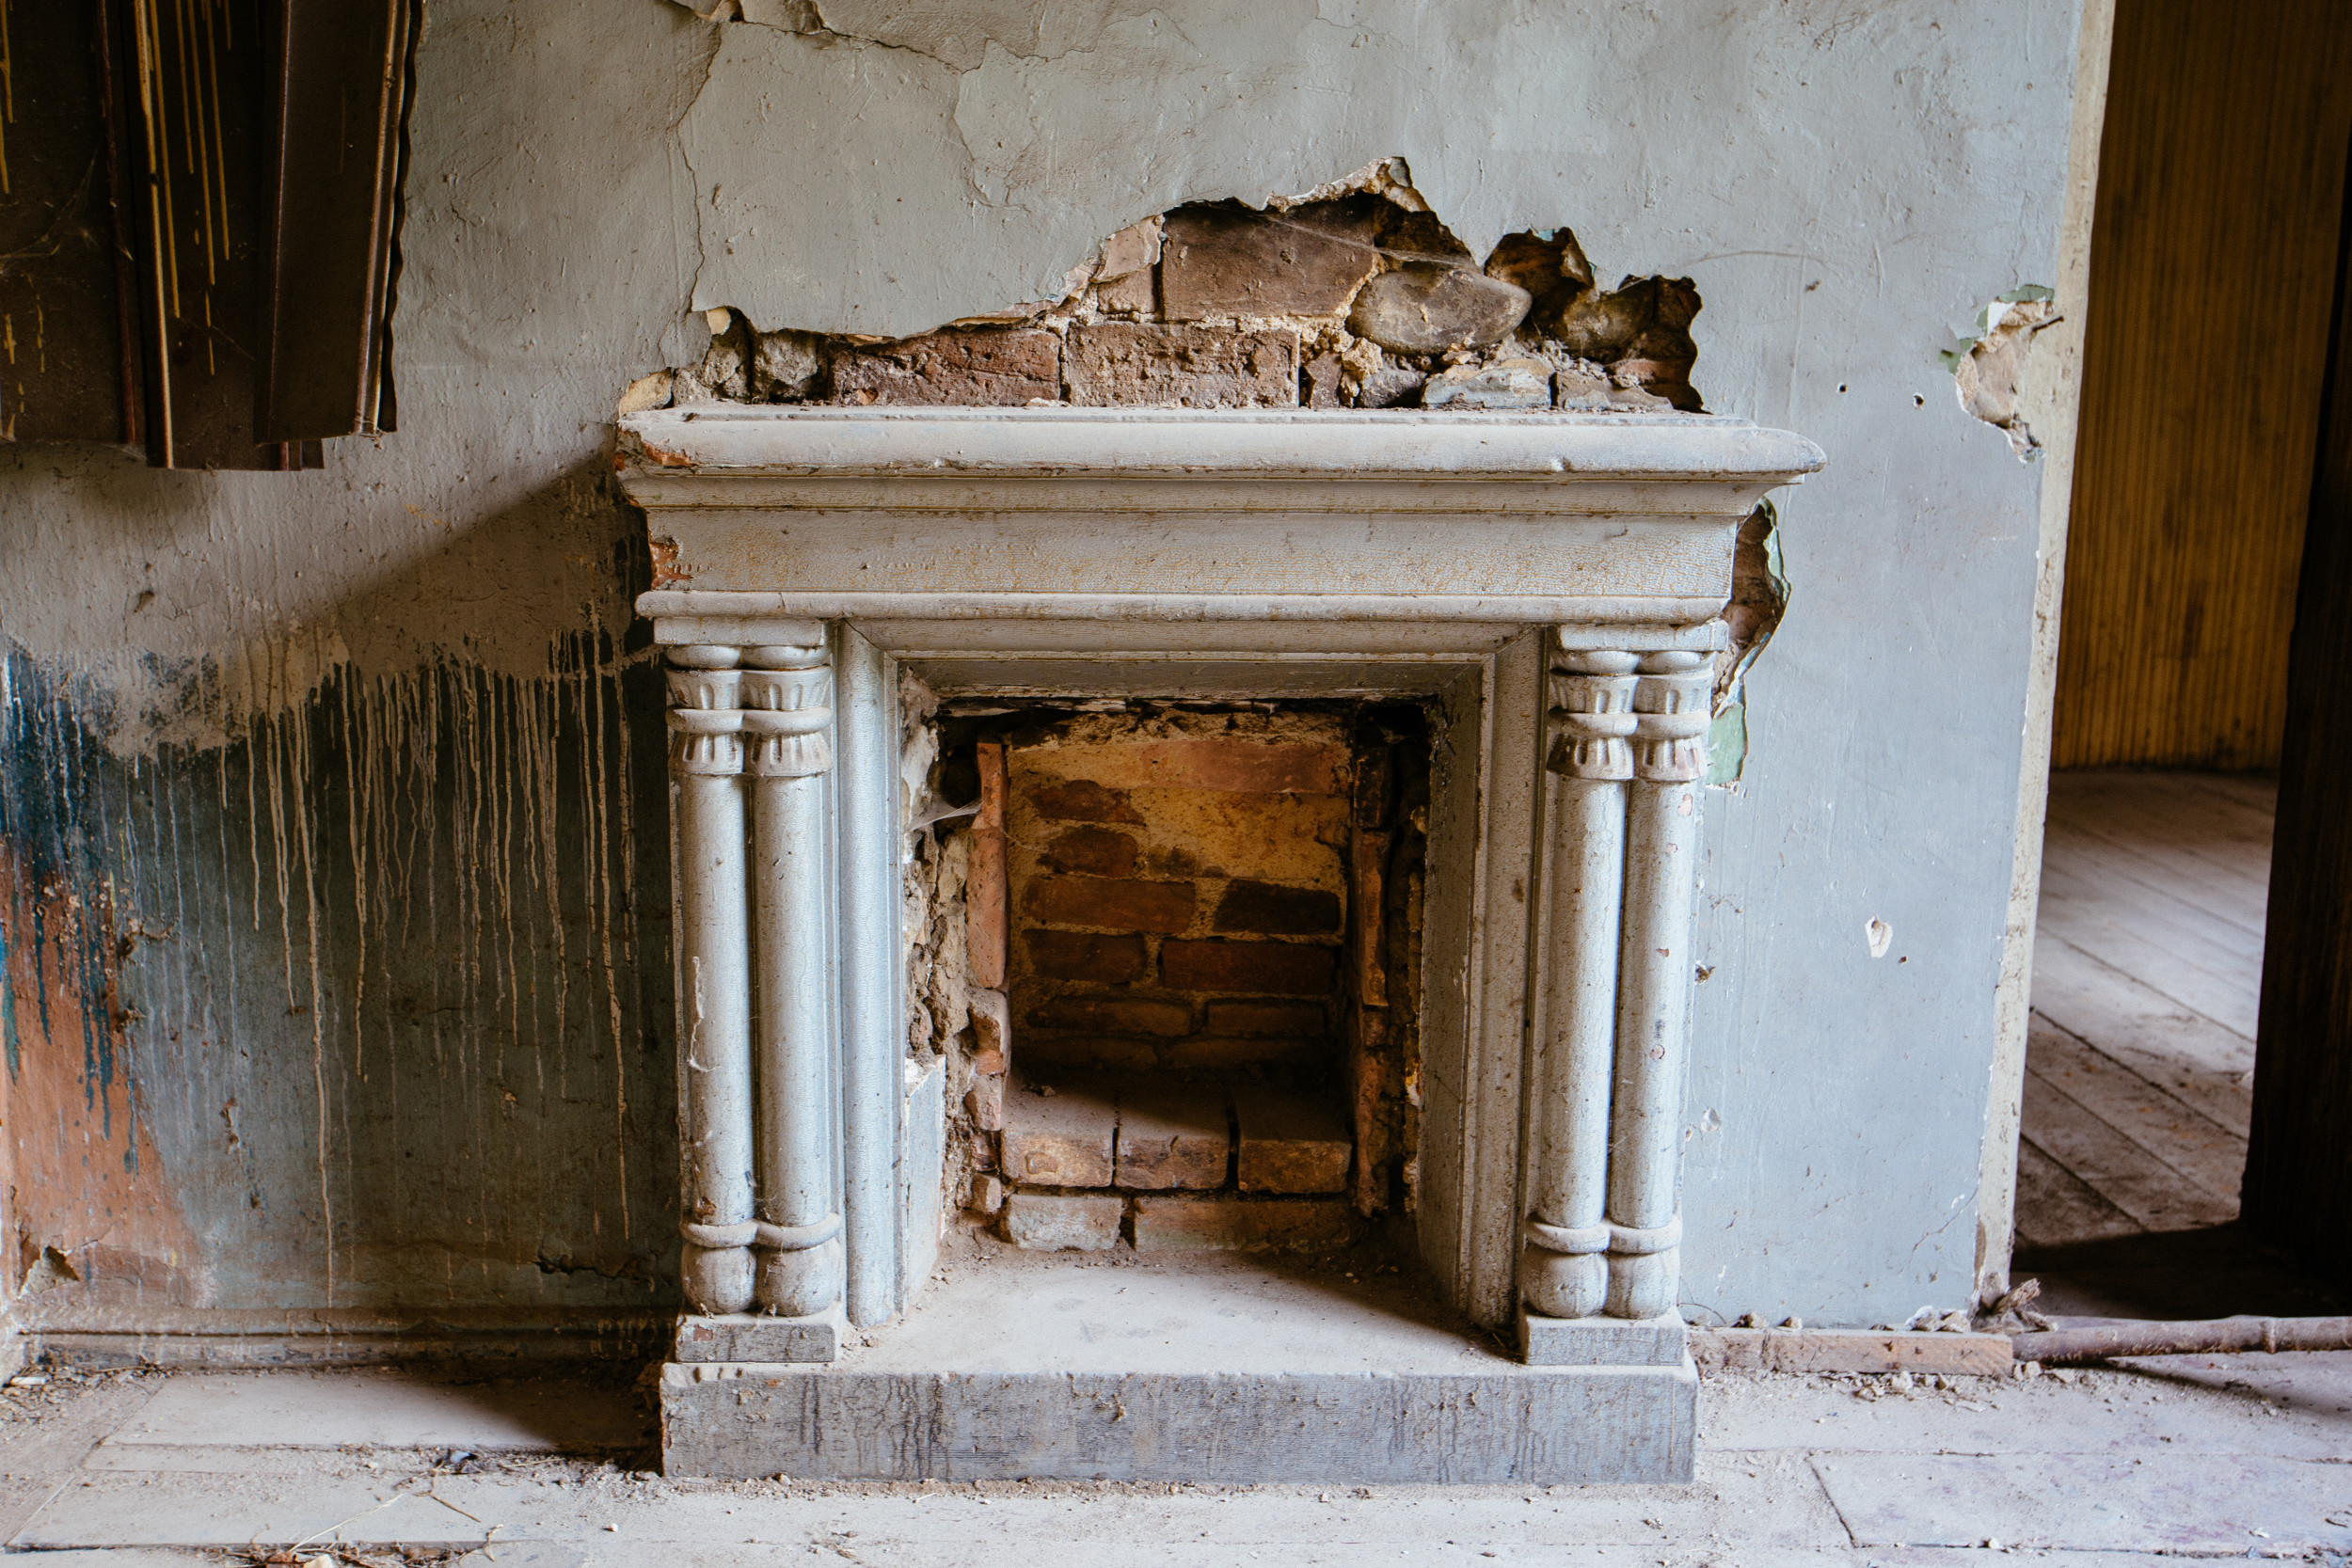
(1547, 583)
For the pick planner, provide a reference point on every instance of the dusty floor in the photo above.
(2196, 1457)
(2147, 977)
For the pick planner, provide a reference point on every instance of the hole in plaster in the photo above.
(1990, 363)
(1355, 294)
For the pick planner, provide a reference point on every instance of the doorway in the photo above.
(2221, 181)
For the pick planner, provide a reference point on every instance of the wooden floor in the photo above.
(2140, 1066)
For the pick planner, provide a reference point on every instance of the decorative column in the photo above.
(714, 982)
(749, 748)
(788, 711)
(1628, 759)
(1561, 1271)
(1671, 702)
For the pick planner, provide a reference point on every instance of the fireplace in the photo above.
(1320, 795)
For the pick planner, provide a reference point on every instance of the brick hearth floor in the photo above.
(2133, 1468)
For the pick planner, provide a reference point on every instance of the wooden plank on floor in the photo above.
(2229, 1000)
(2193, 1058)
(2159, 912)
(2242, 894)
(2209, 828)
(2202, 1149)
(2154, 1194)
(2251, 798)
(2101, 1004)
(2173, 808)
(2166, 809)
(2056, 1207)
(2254, 791)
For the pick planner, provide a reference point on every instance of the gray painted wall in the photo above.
(379, 681)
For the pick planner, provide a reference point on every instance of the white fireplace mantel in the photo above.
(1553, 580)
(1053, 514)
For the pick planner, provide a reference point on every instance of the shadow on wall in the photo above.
(352, 990)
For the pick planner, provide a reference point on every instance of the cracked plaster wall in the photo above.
(1840, 177)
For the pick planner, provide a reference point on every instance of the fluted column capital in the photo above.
(1592, 715)
(1673, 702)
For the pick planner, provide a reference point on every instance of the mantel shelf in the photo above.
(1107, 516)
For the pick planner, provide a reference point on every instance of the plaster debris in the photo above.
(1505, 384)
(1132, 250)
(647, 392)
(1881, 937)
(1985, 373)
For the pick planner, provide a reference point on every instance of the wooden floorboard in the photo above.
(2209, 1153)
(2179, 927)
(2056, 1207)
(2156, 1196)
(2228, 999)
(2234, 893)
(2147, 971)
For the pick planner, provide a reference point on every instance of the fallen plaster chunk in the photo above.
(1504, 384)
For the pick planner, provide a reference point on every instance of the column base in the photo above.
(756, 1337)
(1598, 1342)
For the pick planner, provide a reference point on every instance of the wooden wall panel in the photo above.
(2212, 269)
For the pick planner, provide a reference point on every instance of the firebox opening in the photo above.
(1202, 922)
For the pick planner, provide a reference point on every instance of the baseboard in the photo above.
(173, 1338)
(1849, 1349)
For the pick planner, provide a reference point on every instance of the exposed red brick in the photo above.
(1081, 800)
(1231, 262)
(1368, 951)
(1056, 1221)
(1266, 1018)
(1138, 294)
(991, 1027)
(1078, 955)
(1272, 908)
(1062, 1139)
(1145, 364)
(1367, 1032)
(1172, 1135)
(1091, 851)
(1236, 765)
(1125, 906)
(1375, 786)
(956, 365)
(1263, 968)
(1114, 1015)
(984, 912)
(1289, 1141)
(985, 1101)
(1225, 1053)
(1044, 1051)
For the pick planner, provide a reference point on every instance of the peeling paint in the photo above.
(422, 966)
(1987, 368)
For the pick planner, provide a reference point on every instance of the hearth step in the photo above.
(1207, 1367)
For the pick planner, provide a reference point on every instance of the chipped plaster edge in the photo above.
(2051, 398)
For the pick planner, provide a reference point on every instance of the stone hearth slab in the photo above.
(1207, 1369)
